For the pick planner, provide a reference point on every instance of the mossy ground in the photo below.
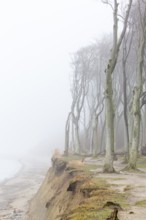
(72, 157)
(78, 194)
(141, 203)
(92, 207)
(117, 179)
(128, 187)
(130, 170)
(91, 167)
(141, 162)
(87, 167)
(98, 193)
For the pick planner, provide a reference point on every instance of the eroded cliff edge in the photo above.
(71, 192)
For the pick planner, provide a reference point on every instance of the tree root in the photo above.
(114, 215)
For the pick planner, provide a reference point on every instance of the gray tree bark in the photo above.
(67, 131)
(109, 106)
(136, 110)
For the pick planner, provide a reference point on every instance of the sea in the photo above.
(9, 168)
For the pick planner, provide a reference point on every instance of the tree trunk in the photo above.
(77, 138)
(109, 109)
(94, 137)
(109, 114)
(136, 98)
(67, 130)
(73, 137)
(125, 109)
(136, 129)
(102, 142)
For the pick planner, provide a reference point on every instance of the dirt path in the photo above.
(16, 192)
(134, 184)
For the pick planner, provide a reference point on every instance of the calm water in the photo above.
(8, 168)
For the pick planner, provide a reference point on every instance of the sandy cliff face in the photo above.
(70, 192)
(59, 193)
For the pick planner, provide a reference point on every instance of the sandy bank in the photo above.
(73, 192)
(15, 193)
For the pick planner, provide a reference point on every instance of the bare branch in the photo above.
(108, 3)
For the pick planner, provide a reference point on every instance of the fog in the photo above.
(37, 38)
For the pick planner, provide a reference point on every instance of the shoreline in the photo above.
(16, 192)
(3, 182)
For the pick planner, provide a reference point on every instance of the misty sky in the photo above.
(36, 40)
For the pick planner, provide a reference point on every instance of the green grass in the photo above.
(87, 167)
(141, 203)
(99, 192)
(95, 191)
(141, 162)
(91, 167)
(118, 178)
(127, 188)
(72, 157)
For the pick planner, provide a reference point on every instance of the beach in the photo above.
(15, 193)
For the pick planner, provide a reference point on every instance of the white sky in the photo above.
(36, 39)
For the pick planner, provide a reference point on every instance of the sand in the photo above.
(16, 192)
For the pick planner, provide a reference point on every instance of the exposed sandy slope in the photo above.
(16, 192)
(135, 183)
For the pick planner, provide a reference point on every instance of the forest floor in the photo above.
(16, 192)
(133, 184)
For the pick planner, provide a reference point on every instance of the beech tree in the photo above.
(116, 99)
(126, 52)
(82, 63)
(67, 134)
(109, 105)
(137, 91)
(87, 99)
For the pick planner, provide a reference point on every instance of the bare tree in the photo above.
(126, 49)
(137, 92)
(109, 106)
(67, 132)
(82, 65)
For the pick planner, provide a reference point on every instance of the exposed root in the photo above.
(114, 215)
